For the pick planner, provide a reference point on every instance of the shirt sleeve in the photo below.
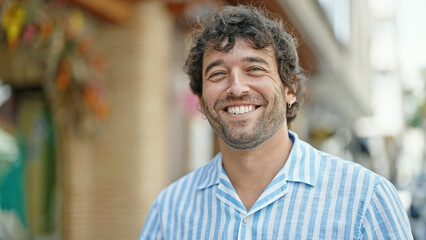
(385, 216)
(152, 226)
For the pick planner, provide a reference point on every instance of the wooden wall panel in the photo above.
(113, 178)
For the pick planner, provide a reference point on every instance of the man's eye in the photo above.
(254, 69)
(216, 74)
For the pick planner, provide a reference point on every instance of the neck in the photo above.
(251, 170)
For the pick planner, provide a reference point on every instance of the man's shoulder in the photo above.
(189, 183)
(349, 172)
(362, 194)
(332, 164)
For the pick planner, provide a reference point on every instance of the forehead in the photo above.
(242, 49)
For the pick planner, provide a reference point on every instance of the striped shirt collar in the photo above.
(300, 166)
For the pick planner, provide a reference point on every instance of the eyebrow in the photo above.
(256, 60)
(212, 65)
(246, 59)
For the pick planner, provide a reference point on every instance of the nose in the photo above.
(237, 84)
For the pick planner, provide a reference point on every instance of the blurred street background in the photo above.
(96, 115)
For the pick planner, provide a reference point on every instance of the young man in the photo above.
(266, 183)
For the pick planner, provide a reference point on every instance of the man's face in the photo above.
(243, 97)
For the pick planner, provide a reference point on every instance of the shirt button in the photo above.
(246, 220)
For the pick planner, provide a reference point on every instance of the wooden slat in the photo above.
(112, 178)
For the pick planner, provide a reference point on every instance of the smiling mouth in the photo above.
(240, 109)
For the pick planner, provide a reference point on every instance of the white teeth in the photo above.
(240, 110)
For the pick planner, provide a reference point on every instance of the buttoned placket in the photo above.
(227, 194)
(245, 224)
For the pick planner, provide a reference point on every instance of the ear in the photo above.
(200, 102)
(291, 92)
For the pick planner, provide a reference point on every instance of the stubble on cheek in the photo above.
(243, 134)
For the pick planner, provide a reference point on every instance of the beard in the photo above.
(240, 135)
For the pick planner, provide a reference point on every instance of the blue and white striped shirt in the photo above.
(314, 196)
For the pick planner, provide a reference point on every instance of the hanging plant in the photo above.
(54, 34)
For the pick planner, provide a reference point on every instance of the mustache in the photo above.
(246, 98)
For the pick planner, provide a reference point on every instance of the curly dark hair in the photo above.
(220, 31)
